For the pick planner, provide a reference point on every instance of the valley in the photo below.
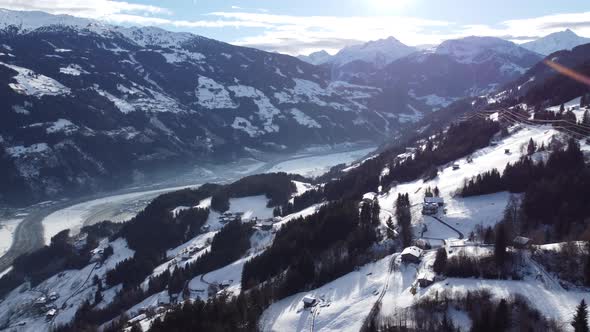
(43, 221)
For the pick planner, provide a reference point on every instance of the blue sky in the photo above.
(303, 26)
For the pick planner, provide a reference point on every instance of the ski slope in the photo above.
(344, 303)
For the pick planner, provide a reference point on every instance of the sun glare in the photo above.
(389, 5)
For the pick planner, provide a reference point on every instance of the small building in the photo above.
(225, 284)
(41, 301)
(521, 242)
(50, 314)
(265, 225)
(429, 209)
(506, 151)
(435, 200)
(205, 228)
(426, 279)
(53, 296)
(136, 319)
(309, 301)
(412, 255)
(456, 166)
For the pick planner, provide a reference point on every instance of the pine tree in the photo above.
(583, 100)
(390, 229)
(375, 211)
(500, 245)
(561, 108)
(532, 147)
(502, 320)
(586, 118)
(587, 266)
(440, 262)
(580, 322)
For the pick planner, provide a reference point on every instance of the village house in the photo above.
(426, 279)
(411, 255)
(521, 242)
(309, 301)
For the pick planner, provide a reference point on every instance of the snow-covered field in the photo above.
(344, 303)
(72, 287)
(318, 165)
(117, 208)
(7, 228)
(465, 213)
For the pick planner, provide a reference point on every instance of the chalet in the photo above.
(265, 225)
(53, 296)
(456, 166)
(50, 314)
(309, 301)
(521, 242)
(506, 151)
(411, 255)
(225, 284)
(435, 200)
(136, 319)
(429, 209)
(41, 301)
(425, 279)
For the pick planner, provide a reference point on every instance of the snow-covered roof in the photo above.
(309, 299)
(521, 240)
(414, 251)
(436, 200)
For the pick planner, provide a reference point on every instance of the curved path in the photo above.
(461, 236)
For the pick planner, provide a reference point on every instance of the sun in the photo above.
(389, 5)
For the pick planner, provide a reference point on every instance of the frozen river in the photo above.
(45, 220)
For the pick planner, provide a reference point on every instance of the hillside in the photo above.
(154, 98)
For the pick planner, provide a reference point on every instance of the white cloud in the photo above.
(531, 28)
(305, 34)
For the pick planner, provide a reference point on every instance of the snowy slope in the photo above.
(73, 288)
(379, 52)
(479, 49)
(344, 303)
(563, 40)
(316, 58)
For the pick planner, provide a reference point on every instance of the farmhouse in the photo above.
(411, 255)
(425, 279)
(521, 242)
(309, 301)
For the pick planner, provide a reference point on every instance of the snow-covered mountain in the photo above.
(455, 69)
(563, 40)
(316, 58)
(378, 52)
(86, 100)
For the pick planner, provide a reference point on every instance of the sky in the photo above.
(304, 26)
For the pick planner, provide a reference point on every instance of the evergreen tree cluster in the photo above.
(556, 192)
(313, 250)
(278, 188)
(403, 216)
(459, 140)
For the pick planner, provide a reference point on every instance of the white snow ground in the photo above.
(72, 217)
(72, 286)
(344, 303)
(7, 228)
(318, 165)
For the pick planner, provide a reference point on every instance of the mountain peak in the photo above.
(471, 49)
(557, 41)
(378, 52)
